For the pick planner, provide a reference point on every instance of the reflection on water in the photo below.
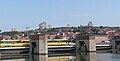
(13, 57)
(61, 57)
(53, 57)
(65, 57)
(83, 56)
(108, 57)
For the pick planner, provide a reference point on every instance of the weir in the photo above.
(39, 45)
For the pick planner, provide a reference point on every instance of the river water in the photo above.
(80, 56)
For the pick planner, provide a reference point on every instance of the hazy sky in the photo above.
(19, 13)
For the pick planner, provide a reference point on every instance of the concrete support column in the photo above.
(86, 41)
(38, 44)
(115, 43)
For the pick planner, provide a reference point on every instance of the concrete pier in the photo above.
(85, 43)
(115, 43)
(38, 44)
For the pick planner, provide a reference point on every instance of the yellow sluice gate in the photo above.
(57, 42)
(14, 43)
(24, 43)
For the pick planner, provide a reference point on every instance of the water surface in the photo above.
(61, 57)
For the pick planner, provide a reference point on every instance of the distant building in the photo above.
(1, 37)
(49, 26)
(13, 29)
(5, 37)
(68, 25)
(90, 23)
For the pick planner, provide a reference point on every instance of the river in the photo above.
(80, 56)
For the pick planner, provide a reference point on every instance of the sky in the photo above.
(19, 13)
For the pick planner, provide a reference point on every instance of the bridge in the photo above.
(39, 43)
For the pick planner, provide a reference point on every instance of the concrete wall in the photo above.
(40, 42)
(100, 38)
(43, 45)
(92, 45)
